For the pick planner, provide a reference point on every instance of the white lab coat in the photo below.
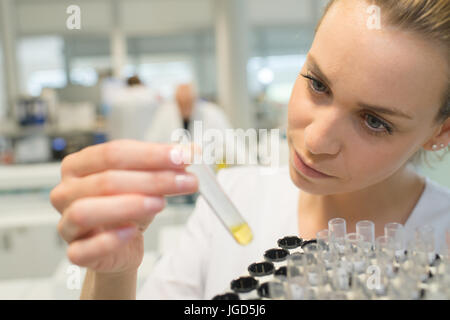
(131, 111)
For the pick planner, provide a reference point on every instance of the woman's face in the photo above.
(335, 119)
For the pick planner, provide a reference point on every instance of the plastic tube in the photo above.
(366, 229)
(219, 202)
(337, 228)
(396, 235)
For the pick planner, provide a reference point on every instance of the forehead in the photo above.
(386, 66)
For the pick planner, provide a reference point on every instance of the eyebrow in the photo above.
(385, 110)
(312, 63)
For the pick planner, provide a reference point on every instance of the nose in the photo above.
(323, 133)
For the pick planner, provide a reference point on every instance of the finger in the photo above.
(124, 154)
(87, 252)
(152, 183)
(87, 214)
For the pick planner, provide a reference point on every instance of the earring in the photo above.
(442, 145)
(434, 147)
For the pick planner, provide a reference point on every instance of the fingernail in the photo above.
(185, 181)
(153, 203)
(125, 233)
(180, 155)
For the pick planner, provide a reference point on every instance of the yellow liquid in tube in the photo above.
(220, 204)
(242, 233)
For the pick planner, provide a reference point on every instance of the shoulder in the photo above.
(437, 200)
(438, 190)
(433, 209)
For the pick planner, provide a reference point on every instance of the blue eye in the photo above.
(374, 124)
(318, 86)
(315, 84)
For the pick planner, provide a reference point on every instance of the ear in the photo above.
(440, 138)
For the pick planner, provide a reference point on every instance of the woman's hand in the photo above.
(109, 194)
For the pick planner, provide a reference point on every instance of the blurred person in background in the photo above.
(197, 116)
(182, 112)
(131, 110)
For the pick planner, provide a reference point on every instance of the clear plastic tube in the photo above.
(425, 241)
(326, 252)
(323, 239)
(366, 229)
(396, 236)
(219, 202)
(354, 251)
(296, 279)
(337, 228)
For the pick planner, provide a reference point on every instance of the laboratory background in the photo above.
(79, 73)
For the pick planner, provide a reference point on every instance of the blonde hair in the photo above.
(429, 19)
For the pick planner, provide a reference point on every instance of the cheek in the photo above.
(372, 164)
(298, 106)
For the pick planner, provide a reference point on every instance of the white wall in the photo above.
(284, 12)
(47, 16)
(165, 16)
(154, 16)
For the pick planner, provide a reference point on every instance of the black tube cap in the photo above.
(227, 296)
(244, 284)
(261, 269)
(290, 242)
(276, 292)
(281, 271)
(276, 255)
(305, 243)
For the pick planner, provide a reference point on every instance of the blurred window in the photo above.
(85, 70)
(163, 73)
(274, 74)
(41, 62)
(3, 103)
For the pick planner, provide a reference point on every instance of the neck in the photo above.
(391, 200)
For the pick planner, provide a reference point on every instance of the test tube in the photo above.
(315, 269)
(326, 252)
(383, 248)
(354, 251)
(337, 228)
(219, 202)
(395, 233)
(323, 239)
(295, 274)
(425, 241)
(366, 229)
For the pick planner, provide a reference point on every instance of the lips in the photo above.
(310, 169)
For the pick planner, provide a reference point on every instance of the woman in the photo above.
(366, 102)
